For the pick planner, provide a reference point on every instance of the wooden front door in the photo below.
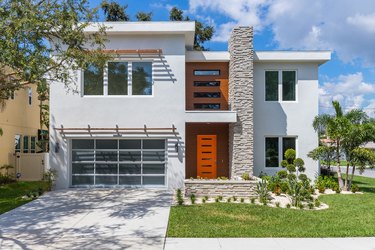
(206, 156)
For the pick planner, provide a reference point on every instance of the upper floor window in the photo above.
(123, 78)
(30, 95)
(280, 81)
(210, 72)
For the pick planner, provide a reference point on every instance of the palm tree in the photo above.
(341, 128)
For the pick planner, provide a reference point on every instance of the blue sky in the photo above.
(346, 27)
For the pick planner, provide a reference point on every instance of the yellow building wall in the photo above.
(17, 117)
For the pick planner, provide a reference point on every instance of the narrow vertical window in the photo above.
(288, 143)
(32, 144)
(272, 85)
(289, 85)
(93, 80)
(17, 143)
(30, 95)
(142, 78)
(272, 151)
(117, 78)
(25, 144)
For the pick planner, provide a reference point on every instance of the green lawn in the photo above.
(348, 215)
(11, 194)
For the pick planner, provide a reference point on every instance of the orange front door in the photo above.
(206, 156)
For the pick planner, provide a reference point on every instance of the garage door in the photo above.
(132, 162)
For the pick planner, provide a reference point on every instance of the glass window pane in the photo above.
(130, 180)
(272, 152)
(106, 168)
(93, 80)
(130, 168)
(153, 180)
(153, 156)
(289, 85)
(17, 143)
(82, 168)
(130, 156)
(25, 144)
(142, 78)
(83, 156)
(207, 84)
(272, 85)
(106, 155)
(206, 106)
(32, 144)
(153, 168)
(105, 180)
(82, 180)
(130, 144)
(82, 144)
(207, 94)
(287, 144)
(106, 144)
(117, 78)
(153, 144)
(214, 72)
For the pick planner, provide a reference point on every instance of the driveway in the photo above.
(89, 219)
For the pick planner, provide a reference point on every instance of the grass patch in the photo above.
(11, 194)
(348, 215)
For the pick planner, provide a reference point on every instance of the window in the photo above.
(30, 95)
(32, 144)
(17, 143)
(93, 80)
(142, 78)
(289, 85)
(139, 162)
(117, 78)
(273, 150)
(123, 78)
(272, 85)
(207, 94)
(207, 83)
(206, 105)
(283, 82)
(25, 144)
(210, 72)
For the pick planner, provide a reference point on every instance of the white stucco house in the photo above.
(160, 113)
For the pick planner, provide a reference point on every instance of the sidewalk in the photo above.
(270, 243)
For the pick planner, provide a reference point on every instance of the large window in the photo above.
(32, 144)
(275, 148)
(209, 72)
(123, 78)
(131, 162)
(25, 144)
(283, 82)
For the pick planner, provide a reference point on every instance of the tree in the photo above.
(203, 33)
(361, 157)
(144, 16)
(114, 12)
(323, 153)
(291, 163)
(43, 41)
(43, 97)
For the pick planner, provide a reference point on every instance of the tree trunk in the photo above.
(339, 177)
(351, 178)
(346, 175)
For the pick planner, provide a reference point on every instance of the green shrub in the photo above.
(282, 174)
(206, 197)
(296, 192)
(288, 205)
(203, 200)
(321, 188)
(252, 200)
(310, 205)
(234, 198)
(245, 176)
(50, 177)
(6, 179)
(317, 203)
(220, 198)
(301, 206)
(180, 198)
(262, 191)
(229, 200)
(336, 188)
(302, 177)
(277, 204)
(292, 177)
(192, 198)
(354, 188)
(242, 200)
(217, 200)
(284, 187)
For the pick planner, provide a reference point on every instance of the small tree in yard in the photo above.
(291, 163)
(323, 153)
(360, 157)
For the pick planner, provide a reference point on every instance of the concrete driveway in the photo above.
(89, 219)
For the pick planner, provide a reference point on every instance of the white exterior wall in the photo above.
(165, 107)
(286, 118)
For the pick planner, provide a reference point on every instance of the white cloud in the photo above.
(350, 90)
(366, 22)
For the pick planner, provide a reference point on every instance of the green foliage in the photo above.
(6, 167)
(310, 205)
(302, 177)
(192, 198)
(252, 200)
(6, 179)
(282, 174)
(229, 200)
(242, 200)
(290, 155)
(144, 16)
(296, 192)
(354, 188)
(50, 177)
(220, 198)
(28, 39)
(217, 200)
(337, 188)
(180, 198)
(317, 203)
(301, 206)
(245, 176)
(324, 153)
(288, 205)
(113, 12)
(234, 198)
(262, 191)
(203, 33)
(277, 204)
(204, 200)
(324, 182)
(291, 163)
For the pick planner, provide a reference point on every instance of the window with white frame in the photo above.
(280, 85)
(129, 162)
(275, 148)
(119, 78)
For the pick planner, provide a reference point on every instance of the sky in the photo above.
(345, 27)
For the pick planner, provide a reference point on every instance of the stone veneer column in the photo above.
(241, 143)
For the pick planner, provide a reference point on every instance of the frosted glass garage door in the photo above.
(132, 162)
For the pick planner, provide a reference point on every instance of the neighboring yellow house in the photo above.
(19, 120)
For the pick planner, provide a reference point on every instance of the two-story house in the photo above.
(160, 113)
